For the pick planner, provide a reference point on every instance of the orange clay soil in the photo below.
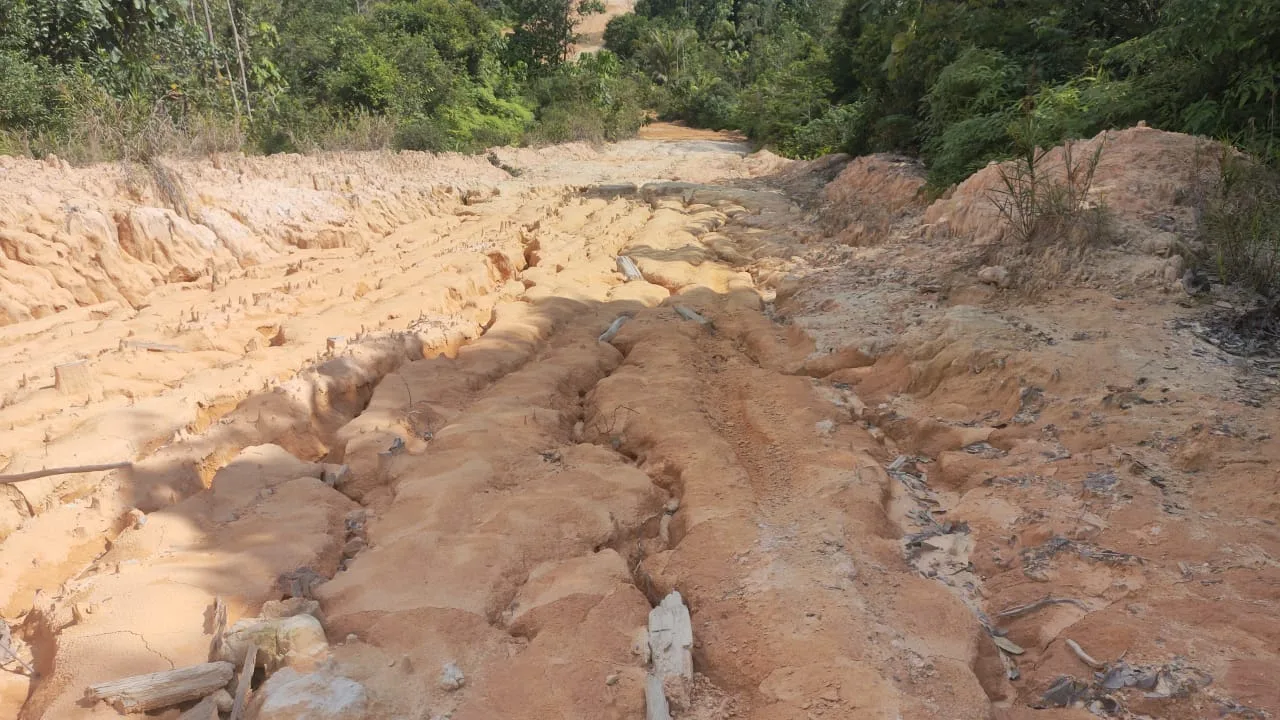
(884, 488)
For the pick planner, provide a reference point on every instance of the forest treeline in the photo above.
(956, 82)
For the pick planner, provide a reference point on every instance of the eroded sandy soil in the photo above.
(884, 488)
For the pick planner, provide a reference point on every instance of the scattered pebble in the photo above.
(451, 677)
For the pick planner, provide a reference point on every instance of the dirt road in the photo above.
(473, 449)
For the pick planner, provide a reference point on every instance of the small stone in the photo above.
(280, 641)
(824, 427)
(290, 695)
(451, 677)
(135, 519)
(672, 505)
(356, 520)
(335, 475)
(353, 547)
(994, 275)
(289, 607)
(351, 637)
(223, 700)
(611, 680)
(830, 694)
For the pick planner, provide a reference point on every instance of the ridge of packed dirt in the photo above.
(447, 468)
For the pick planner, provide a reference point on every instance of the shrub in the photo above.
(979, 83)
(422, 134)
(566, 123)
(841, 129)
(1241, 224)
(1043, 202)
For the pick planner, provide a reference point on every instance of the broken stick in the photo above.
(19, 477)
(162, 689)
(1084, 656)
(1029, 607)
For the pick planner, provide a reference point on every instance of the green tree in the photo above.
(545, 31)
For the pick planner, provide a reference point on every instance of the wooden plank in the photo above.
(148, 346)
(246, 677)
(162, 689)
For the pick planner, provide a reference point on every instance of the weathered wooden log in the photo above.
(628, 268)
(162, 689)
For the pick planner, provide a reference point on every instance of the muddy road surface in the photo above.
(441, 448)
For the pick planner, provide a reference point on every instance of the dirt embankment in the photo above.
(421, 479)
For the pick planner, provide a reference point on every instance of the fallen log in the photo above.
(19, 477)
(162, 689)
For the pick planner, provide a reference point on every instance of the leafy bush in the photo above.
(979, 83)
(592, 99)
(842, 128)
(966, 146)
(28, 92)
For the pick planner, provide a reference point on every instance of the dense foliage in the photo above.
(105, 79)
(951, 80)
(948, 80)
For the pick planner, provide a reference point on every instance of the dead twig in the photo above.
(19, 477)
(1084, 656)
(6, 649)
(1030, 607)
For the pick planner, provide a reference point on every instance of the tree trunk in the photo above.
(244, 82)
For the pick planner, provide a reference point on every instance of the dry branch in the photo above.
(19, 477)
